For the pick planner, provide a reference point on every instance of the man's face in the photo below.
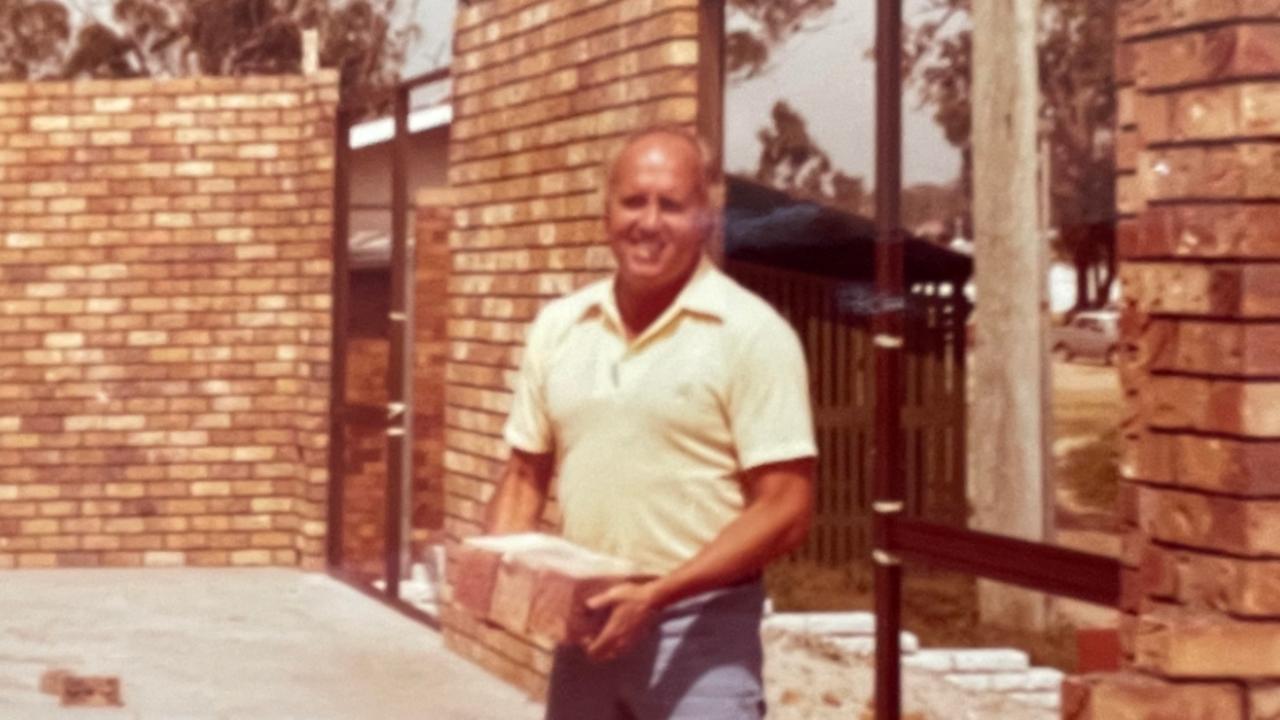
(657, 217)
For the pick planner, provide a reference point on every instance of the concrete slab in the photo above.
(227, 644)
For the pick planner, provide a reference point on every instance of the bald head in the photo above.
(689, 150)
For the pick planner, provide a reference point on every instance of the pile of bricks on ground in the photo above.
(989, 670)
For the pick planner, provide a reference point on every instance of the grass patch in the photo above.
(1092, 471)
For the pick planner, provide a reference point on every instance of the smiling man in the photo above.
(672, 408)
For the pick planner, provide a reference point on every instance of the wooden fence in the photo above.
(833, 319)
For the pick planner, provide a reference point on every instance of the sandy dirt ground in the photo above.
(807, 679)
(1086, 400)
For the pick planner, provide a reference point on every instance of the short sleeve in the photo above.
(768, 404)
(528, 426)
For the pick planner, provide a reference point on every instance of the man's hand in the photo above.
(634, 606)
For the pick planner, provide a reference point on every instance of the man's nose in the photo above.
(650, 217)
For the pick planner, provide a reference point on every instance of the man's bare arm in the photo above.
(521, 495)
(777, 518)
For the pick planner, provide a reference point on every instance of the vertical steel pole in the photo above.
(338, 354)
(711, 96)
(888, 341)
(397, 437)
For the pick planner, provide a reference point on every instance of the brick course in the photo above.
(544, 92)
(164, 317)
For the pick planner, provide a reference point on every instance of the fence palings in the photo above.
(837, 342)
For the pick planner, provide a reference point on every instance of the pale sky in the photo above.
(828, 76)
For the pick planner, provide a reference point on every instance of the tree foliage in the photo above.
(792, 161)
(1077, 113)
(172, 38)
(770, 23)
(33, 38)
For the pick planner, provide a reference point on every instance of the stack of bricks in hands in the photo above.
(535, 585)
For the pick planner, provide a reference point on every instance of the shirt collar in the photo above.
(701, 294)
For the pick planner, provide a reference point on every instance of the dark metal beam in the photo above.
(887, 339)
(711, 90)
(426, 78)
(338, 351)
(1036, 566)
(397, 415)
(374, 97)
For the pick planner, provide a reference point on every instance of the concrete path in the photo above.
(224, 644)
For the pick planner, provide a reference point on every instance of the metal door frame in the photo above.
(398, 413)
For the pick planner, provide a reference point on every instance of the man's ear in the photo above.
(716, 195)
(713, 221)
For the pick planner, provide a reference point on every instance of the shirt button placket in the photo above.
(618, 361)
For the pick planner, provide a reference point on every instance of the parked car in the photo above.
(1092, 334)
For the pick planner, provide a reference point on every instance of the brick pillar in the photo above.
(433, 221)
(1200, 267)
(542, 97)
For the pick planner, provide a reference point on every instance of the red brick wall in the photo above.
(164, 321)
(543, 95)
(364, 485)
(1200, 250)
(433, 221)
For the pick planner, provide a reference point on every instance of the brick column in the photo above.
(1200, 267)
(433, 221)
(542, 96)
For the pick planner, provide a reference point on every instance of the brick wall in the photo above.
(433, 220)
(543, 94)
(164, 321)
(1200, 249)
(364, 484)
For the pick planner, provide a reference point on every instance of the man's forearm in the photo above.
(776, 519)
(772, 525)
(521, 495)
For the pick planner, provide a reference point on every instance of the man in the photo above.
(672, 407)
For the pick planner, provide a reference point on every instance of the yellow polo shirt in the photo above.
(650, 436)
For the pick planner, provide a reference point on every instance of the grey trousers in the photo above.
(701, 661)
